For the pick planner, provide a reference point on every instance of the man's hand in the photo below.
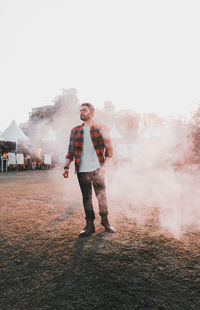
(107, 162)
(66, 173)
(102, 171)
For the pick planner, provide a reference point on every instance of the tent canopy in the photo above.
(13, 133)
(114, 133)
(50, 136)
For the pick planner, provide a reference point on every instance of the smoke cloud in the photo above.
(152, 179)
(152, 182)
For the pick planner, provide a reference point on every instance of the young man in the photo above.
(91, 148)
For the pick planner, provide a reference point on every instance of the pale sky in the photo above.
(142, 54)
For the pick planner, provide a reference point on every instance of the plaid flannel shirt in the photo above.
(100, 138)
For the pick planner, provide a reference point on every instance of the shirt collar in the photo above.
(93, 124)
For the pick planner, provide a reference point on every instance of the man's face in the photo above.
(85, 113)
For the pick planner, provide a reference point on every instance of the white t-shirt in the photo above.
(89, 160)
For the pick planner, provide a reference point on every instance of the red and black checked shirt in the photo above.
(100, 139)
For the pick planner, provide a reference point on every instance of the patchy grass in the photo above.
(44, 265)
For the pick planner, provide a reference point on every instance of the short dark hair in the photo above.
(89, 105)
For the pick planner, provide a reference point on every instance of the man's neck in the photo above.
(88, 123)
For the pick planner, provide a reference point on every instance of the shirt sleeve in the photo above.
(107, 142)
(70, 153)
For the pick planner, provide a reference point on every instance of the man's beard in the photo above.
(84, 118)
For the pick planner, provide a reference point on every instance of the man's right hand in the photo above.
(66, 173)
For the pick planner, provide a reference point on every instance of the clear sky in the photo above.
(142, 54)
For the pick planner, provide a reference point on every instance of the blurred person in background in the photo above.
(90, 146)
(5, 155)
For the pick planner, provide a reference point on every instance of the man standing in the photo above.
(91, 148)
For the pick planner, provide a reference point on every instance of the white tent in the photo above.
(13, 133)
(114, 133)
(50, 136)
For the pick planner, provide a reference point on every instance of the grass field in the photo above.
(45, 265)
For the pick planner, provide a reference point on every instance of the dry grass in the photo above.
(44, 265)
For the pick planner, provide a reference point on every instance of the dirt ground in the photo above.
(45, 265)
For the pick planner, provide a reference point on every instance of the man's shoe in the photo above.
(109, 228)
(106, 224)
(88, 229)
